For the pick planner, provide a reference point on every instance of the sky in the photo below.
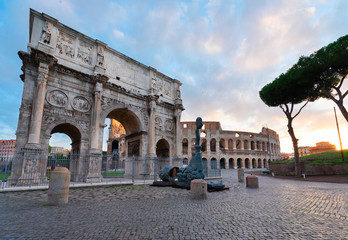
(223, 52)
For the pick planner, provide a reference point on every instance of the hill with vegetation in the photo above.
(329, 157)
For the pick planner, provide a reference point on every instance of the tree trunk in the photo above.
(295, 145)
(338, 102)
(343, 110)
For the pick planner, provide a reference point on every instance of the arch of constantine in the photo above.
(73, 83)
(223, 149)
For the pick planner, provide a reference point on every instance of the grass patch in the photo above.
(112, 174)
(4, 176)
(329, 157)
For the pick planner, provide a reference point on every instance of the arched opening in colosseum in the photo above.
(162, 149)
(247, 164)
(263, 146)
(114, 146)
(239, 163)
(253, 163)
(222, 163)
(246, 144)
(222, 144)
(230, 144)
(205, 163)
(184, 146)
(264, 163)
(213, 145)
(213, 163)
(252, 145)
(204, 145)
(268, 148)
(230, 163)
(258, 145)
(238, 144)
(193, 145)
(259, 163)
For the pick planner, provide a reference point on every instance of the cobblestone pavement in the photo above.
(279, 209)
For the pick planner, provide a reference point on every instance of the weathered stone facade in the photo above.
(72, 83)
(231, 149)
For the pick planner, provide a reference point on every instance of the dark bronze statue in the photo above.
(199, 125)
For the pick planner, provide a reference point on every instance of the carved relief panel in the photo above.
(57, 98)
(66, 44)
(81, 104)
(84, 53)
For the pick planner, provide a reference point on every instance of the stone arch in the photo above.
(213, 163)
(79, 146)
(73, 130)
(222, 163)
(114, 146)
(253, 163)
(131, 120)
(239, 163)
(162, 148)
(264, 163)
(259, 163)
(213, 145)
(222, 144)
(246, 144)
(204, 145)
(205, 163)
(239, 144)
(231, 163)
(193, 145)
(252, 145)
(230, 144)
(185, 146)
(247, 165)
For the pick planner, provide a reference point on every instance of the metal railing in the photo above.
(34, 167)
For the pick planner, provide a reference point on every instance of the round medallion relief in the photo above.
(57, 98)
(80, 104)
(169, 125)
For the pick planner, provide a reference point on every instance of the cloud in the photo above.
(118, 34)
(223, 52)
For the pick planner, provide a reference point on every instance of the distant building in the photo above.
(322, 147)
(59, 151)
(284, 156)
(303, 151)
(226, 149)
(7, 148)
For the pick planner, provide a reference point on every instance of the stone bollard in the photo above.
(199, 189)
(252, 181)
(240, 175)
(58, 190)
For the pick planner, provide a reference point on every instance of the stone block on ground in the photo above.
(252, 181)
(199, 189)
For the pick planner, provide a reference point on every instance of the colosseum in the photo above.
(231, 149)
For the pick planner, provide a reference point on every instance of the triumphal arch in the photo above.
(73, 83)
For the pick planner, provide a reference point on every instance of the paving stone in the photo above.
(279, 209)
